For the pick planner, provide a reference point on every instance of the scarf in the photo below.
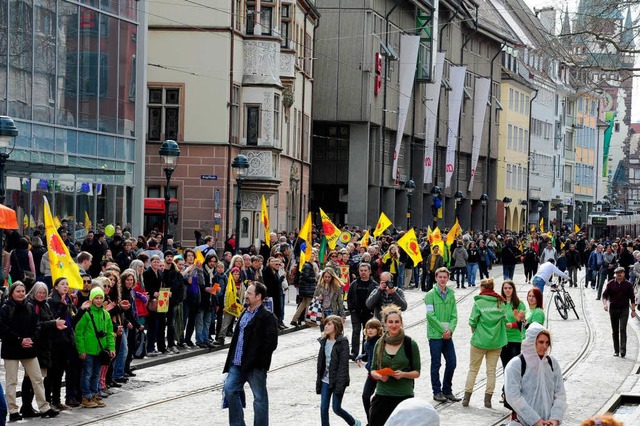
(492, 293)
(387, 339)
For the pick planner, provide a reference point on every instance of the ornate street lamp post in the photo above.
(240, 165)
(169, 152)
(409, 186)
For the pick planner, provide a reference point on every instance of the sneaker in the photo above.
(190, 344)
(451, 397)
(72, 403)
(104, 395)
(183, 345)
(50, 413)
(108, 391)
(114, 384)
(153, 354)
(121, 380)
(60, 406)
(97, 401)
(88, 403)
(129, 373)
(357, 423)
(202, 345)
(439, 397)
(175, 350)
(218, 343)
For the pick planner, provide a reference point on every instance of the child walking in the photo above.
(373, 331)
(333, 370)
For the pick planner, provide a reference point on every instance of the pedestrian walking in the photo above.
(573, 264)
(516, 312)
(329, 292)
(510, 256)
(459, 261)
(616, 300)
(442, 318)
(489, 335)
(333, 370)
(399, 355)
(307, 283)
(357, 295)
(535, 312)
(530, 262)
(533, 382)
(434, 262)
(249, 357)
(473, 258)
(373, 331)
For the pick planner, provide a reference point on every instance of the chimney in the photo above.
(547, 17)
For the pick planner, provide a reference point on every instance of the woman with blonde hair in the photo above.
(601, 420)
(329, 292)
(488, 324)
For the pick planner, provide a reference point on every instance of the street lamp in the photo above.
(240, 165)
(506, 201)
(559, 213)
(169, 152)
(409, 186)
(483, 199)
(458, 197)
(598, 206)
(525, 218)
(8, 134)
(437, 203)
(579, 205)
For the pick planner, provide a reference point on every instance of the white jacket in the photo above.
(539, 394)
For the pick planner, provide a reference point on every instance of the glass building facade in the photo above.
(68, 78)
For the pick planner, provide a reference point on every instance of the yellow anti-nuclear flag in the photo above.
(199, 258)
(330, 231)
(453, 233)
(56, 222)
(232, 305)
(62, 264)
(409, 242)
(307, 236)
(383, 223)
(364, 242)
(87, 221)
(576, 229)
(542, 225)
(264, 218)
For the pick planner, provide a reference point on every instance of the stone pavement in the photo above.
(170, 389)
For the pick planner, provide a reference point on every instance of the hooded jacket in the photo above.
(86, 339)
(442, 314)
(488, 320)
(539, 393)
(338, 366)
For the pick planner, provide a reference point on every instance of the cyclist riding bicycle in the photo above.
(545, 273)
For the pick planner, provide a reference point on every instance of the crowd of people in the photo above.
(90, 336)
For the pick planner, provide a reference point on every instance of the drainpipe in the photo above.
(304, 96)
(313, 75)
(384, 103)
(231, 57)
(529, 158)
(490, 131)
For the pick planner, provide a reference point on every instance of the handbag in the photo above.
(314, 315)
(141, 345)
(152, 305)
(104, 355)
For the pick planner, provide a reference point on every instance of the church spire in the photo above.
(626, 38)
(566, 26)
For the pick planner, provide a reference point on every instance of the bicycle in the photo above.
(563, 301)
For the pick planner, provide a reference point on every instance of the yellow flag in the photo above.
(264, 217)
(87, 221)
(199, 258)
(25, 221)
(56, 221)
(561, 245)
(436, 240)
(366, 238)
(429, 232)
(307, 236)
(32, 221)
(409, 243)
(383, 223)
(330, 231)
(303, 260)
(453, 233)
(576, 229)
(62, 265)
(533, 228)
(232, 305)
(542, 224)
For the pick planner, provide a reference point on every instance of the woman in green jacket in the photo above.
(89, 342)
(515, 311)
(535, 312)
(488, 325)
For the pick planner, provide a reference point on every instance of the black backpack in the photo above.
(523, 369)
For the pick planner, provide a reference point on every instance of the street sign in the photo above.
(208, 177)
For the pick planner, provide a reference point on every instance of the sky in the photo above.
(573, 5)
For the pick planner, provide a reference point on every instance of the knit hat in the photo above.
(96, 291)
(414, 411)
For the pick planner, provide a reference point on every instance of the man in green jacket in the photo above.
(442, 318)
(91, 340)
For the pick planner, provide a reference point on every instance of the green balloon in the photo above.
(109, 230)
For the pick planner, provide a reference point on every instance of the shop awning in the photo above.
(156, 205)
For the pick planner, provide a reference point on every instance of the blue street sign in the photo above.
(208, 177)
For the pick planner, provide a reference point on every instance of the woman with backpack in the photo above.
(306, 287)
(333, 370)
(395, 366)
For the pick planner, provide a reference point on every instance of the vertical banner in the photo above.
(610, 118)
(455, 103)
(432, 93)
(409, 46)
(480, 98)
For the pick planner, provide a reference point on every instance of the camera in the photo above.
(390, 284)
(101, 334)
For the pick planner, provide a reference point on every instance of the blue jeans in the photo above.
(121, 356)
(400, 276)
(233, 386)
(203, 322)
(325, 399)
(439, 347)
(539, 282)
(507, 271)
(472, 270)
(90, 382)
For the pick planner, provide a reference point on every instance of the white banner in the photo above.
(408, 59)
(480, 97)
(432, 93)
(456, 78)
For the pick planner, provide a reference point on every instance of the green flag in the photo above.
(322, 253)
(610, 117)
